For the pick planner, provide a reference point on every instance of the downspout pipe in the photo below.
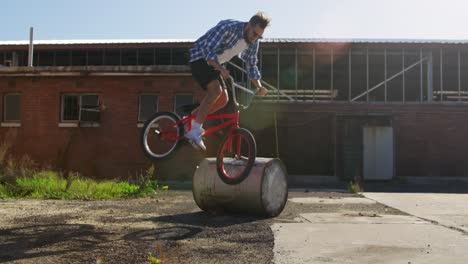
(31, 47)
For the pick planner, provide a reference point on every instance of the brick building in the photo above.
(373, 108)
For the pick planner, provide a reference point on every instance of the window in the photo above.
(44, 58)
(90, 108)
(287, 69)
(95, 57)
(63, 58)
(147, 106)
(163, 56)
(12, 103)
(180, 100)
(146, 57)
(270, 66)
(22, 57)
(180, 56)
(112, 57)
(129, 57)
(79, 58)
(83, 108)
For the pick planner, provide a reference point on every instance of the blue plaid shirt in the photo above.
(224, 36)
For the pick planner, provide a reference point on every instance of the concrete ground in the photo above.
(444, 209)
(396, 222)
(433, 230)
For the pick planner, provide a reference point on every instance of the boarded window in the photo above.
(12, 111)
(148, 106)
(181, 100)
(89, 110)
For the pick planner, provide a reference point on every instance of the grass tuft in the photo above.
(24, 178)
(52, 185)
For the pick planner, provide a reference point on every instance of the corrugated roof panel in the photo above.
(267, 40)
(333, 40)
(95, 41)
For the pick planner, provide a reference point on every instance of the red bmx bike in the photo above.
(163, 132)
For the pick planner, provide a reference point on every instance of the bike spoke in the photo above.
(236, 157)
(161, 136)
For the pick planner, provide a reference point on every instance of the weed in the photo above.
(147, 184)
(152, 259)
(355, 185)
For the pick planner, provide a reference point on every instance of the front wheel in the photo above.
(161, 134)
(236, 156)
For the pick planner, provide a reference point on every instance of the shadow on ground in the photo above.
(204, 219)
(47, 240)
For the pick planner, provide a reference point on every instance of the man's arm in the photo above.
(250, 57)
(261, 90)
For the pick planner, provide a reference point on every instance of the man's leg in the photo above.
(214, 92)
(220, 102)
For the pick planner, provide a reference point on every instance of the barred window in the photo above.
(80, 107)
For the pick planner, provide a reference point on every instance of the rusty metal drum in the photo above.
(264, 192)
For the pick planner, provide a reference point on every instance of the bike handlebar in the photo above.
(250, 92)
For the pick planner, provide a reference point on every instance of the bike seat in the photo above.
(187, 109)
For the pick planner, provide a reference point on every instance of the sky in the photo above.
(177, 19)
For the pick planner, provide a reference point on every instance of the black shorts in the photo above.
(204, 73)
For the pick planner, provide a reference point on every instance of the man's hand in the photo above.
(262, 91)
(224, 72)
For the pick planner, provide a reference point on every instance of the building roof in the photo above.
(95, 41)
(267, 40)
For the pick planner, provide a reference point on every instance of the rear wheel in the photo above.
(160, 135)
(236, 156)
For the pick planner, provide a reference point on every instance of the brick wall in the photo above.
(431, 144)
(111, 150)
(430, 140)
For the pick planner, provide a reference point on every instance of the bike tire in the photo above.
(244, 162)
(163, 144)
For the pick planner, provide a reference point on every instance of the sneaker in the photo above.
(194, 137)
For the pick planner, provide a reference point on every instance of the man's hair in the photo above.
(260, 19)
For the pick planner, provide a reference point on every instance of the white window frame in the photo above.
(78, 122)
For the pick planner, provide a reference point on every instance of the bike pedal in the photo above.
(195, 145)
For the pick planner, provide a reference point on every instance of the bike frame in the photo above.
(233, 121)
